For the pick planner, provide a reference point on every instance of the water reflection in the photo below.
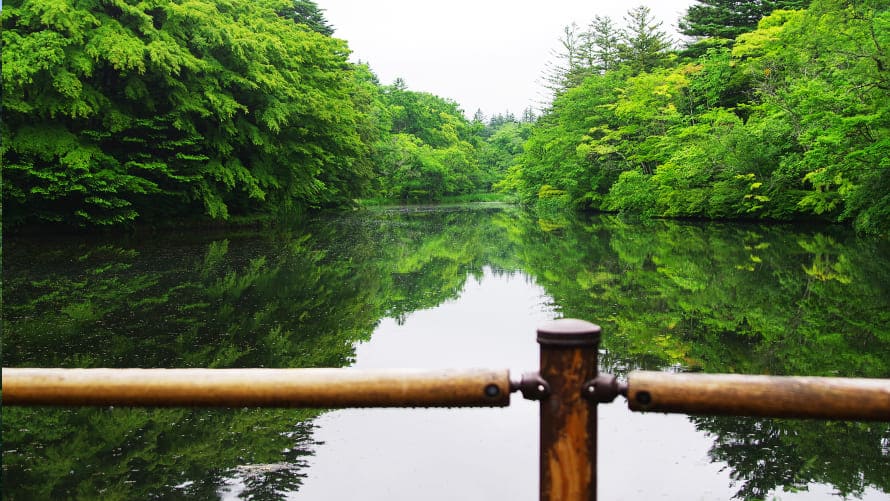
(443, 288)
(483, 454)
(441, 454)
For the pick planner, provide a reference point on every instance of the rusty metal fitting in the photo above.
(531, 385)
(603, 388)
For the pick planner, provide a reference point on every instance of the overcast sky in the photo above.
(487, 54)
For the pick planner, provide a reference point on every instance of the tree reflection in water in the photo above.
(688, 296)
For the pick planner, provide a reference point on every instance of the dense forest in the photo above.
(118, 112)
(766, 114)
(121, 112)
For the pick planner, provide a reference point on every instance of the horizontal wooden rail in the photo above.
(568, 385)
(764, 396)
(323, 388)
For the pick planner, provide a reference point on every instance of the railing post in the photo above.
(569, 350)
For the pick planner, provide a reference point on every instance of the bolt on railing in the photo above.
(568, 385)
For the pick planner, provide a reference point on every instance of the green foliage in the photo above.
(641, 45)
(499, 151)
(631, 193)
(307, 12)
(429, 151)
(835, 108)
(791, 123)
(553, 154)
(551, 199)
(116, 112)
(604, 39)
(728, 19)
(645, 44)
(184, 111)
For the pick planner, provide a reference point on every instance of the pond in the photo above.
(443, 287)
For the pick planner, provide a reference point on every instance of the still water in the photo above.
(438, 288)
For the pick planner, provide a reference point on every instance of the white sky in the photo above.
(487, 54)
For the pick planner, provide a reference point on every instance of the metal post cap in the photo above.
(569, 332)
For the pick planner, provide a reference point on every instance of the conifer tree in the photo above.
(308, 13)
(604, 38)
(729, 18)
(644, 45)
(570, 64)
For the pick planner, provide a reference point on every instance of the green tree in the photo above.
(643, 45)
(570, 63)
(728, 19)
(822, 74)
(116, 112)
(604, 39)
(501, 148)
(429, 151)
(552, 165)
(308, 12)
(789, 124)
(717, 23)
(528, 115)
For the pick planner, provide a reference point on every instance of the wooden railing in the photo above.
(568, 386)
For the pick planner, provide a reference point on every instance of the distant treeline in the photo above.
(781, 117)
(118, 112)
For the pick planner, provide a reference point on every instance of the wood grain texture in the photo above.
(569, 350)
(763, 396)
(568, 425)
(322, 388)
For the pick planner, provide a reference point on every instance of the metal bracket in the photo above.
(603, 389)
(532, 386)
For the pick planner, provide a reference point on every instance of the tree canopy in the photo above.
(791, 123)
(730, 18)
(203, 110)
(182, 110)
(171, 108)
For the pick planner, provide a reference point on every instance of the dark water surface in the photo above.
(443, 287)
